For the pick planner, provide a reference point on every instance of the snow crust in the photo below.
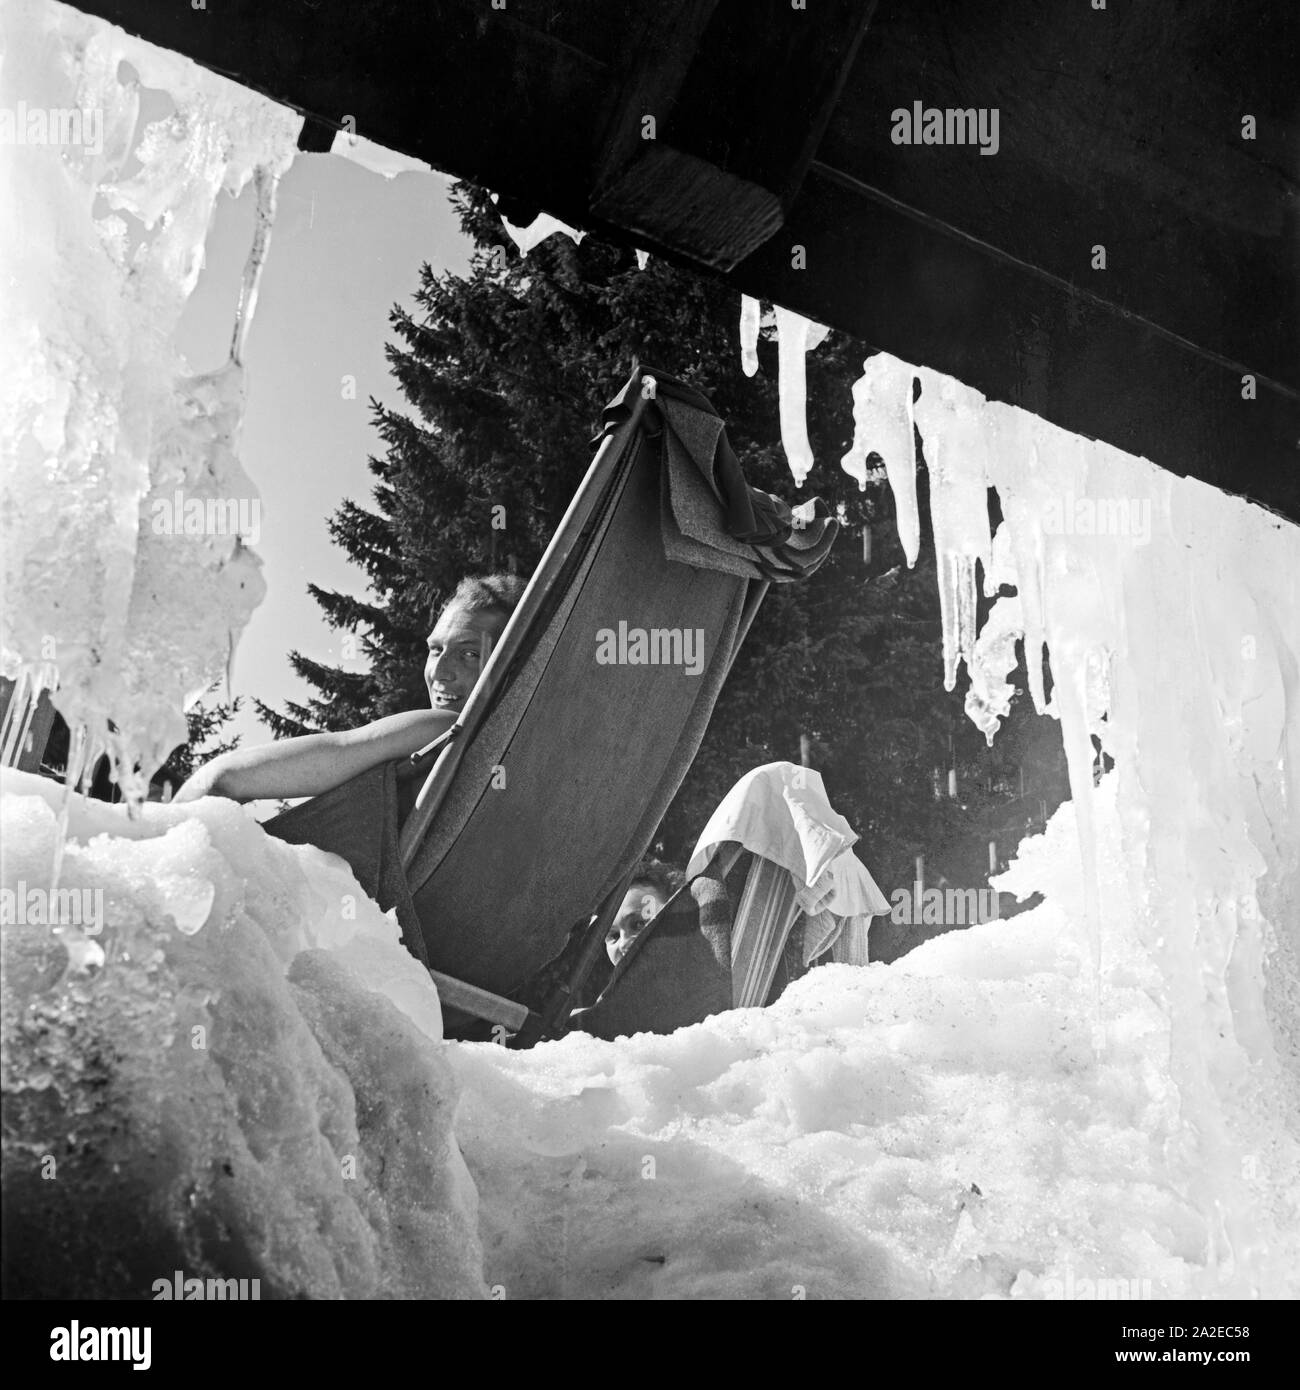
(238, 1074)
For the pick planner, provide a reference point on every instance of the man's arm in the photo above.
(315, 763)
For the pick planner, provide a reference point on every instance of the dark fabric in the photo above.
(359, 822)
(591, 754)
(678, 970)
(711, 517)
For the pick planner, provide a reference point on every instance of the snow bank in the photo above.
(234, 1070)
(939, 1127)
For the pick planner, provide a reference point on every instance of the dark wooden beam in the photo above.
(959, 262)
(910, 287)
(736, 122)
(1121, 128)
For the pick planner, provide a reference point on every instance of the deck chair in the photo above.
(722, 941)
(773, 885)
(546, 792)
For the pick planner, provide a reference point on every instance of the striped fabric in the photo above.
(851, 946)
(765, 914)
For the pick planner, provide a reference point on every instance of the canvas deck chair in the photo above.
(731, 938)
(722, 941)
(546, 792)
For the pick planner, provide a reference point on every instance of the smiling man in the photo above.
(464, 634)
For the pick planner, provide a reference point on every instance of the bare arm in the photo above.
(316, 763)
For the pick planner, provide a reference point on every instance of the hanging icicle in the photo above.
(749, 322)
(796, 336)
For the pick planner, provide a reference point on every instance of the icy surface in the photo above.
(102, 242)
(243, 1078)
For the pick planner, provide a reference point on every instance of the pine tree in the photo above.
(507, 371)
(207, 723)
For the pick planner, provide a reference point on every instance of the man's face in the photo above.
(641, 902)
(456, 653)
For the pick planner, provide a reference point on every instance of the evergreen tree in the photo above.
(207, 723)
(507, 371)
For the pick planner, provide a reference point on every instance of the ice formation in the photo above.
(750, 316)
(542, 226)
(883, 424)
(1165, 610)
(101, 422)
(796, 336)
(378, 159)
(233, 1069)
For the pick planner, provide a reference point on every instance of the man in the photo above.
(464, 634)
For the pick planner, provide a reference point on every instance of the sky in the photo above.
(347, 244)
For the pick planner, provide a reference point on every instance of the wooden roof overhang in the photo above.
(1120, 127)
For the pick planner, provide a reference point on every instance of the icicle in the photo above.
(265, 182)
(796, 336)
(101, 420)
(642, 257)
(950, 418)
(542, 226)
(749, 316)
(882, 424)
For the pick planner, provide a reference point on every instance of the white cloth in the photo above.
(780, 811)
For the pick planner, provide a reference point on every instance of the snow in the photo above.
(236, 1068)
(378, 159)
(242, 1074)
(830, 1143)
(542, 226)
(1166, 611)
(827, 1147)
